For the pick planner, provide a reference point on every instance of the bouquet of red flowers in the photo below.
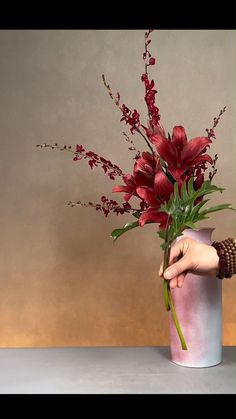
(167, 178)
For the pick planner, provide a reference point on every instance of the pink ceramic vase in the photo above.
(198, 306)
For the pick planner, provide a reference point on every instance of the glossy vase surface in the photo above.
(198, 306)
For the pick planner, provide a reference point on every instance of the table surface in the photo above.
(110, 370)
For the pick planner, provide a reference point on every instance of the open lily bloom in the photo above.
(179, 153)
(155, 196)
(144, 172)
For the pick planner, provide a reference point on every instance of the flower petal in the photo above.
(176, 172)
(193, 148)
(152, 214)
(201, 158)
(121, 188)
(128, 179)
(198, 181)
(162, 186)
(147, 194)
(128, 196)
(141, 165)
(142, 178)
(163, 223)
(165, 149)
(179, 137)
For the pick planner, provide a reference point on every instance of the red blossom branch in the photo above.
(211, 133)
(147, 55)
(109, 168)
(150, 92)
(108, 206)
(212, 174)
(131, 118)
(132, 147)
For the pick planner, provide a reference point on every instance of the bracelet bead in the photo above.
(226, 251)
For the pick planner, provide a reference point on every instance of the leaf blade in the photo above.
(115, 234)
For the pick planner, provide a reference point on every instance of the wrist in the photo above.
(215, 262)
(226, 251)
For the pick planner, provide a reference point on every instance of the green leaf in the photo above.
(191, 189)
(207, 188)
(161, 234)
(217, 208)
(164, 246)
(182, 210)
(190, 224)
(201, 217)
(176, 193)
(164, 208)
(196, 209)
(136, 214)
(184, 193)
(119, 231)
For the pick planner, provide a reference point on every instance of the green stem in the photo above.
(167, 292)
(176, 322)
(165, 265)
(166, 283)
(147, 142)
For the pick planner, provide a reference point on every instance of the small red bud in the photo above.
(152, 61)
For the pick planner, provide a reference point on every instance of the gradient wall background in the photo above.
(62, 283)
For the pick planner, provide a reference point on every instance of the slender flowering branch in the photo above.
(199, 169)
(107, 206)
(132, 147)
(212, 174)
(211, 132)
(147, 55)
(131, 118)
(150, 92)
(109, 168)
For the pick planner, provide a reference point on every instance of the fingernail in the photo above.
(167, 274)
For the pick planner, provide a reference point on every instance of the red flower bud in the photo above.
(79, 148)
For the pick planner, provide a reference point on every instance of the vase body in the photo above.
(198, 306)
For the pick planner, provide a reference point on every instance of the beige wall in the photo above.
(62, 282)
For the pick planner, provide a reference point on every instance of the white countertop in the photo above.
(110, 370)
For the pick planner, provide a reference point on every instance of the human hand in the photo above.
(190, 256)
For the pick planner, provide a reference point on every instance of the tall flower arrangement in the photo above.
(168, 177)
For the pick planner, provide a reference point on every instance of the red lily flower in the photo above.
(129, 188)
(147, 165)
(179, 153)
(151, 184)
(144, 172)
(155, 196)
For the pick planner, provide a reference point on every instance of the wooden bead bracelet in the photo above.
(226, 251)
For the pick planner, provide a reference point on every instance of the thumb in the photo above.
(177, 268)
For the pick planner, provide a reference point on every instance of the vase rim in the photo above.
(201, 228)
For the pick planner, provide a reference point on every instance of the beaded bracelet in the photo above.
(226, 251)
